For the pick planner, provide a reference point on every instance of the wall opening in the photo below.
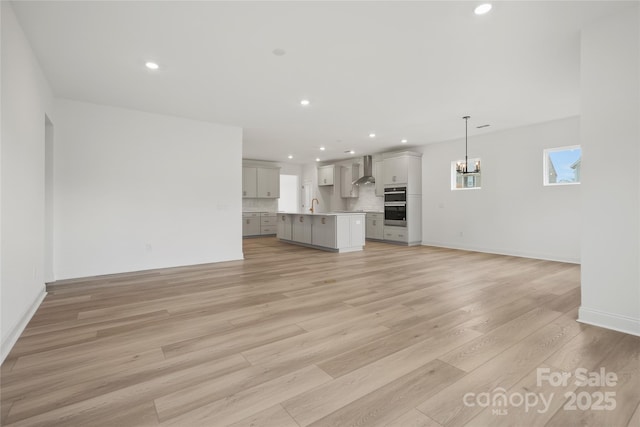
(288, 200)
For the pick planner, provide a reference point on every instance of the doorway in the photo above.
(288, 201)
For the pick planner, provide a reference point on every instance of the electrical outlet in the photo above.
(148, 247)
(461, 234)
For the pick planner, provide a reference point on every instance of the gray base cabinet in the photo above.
(375, 226)
(285, 223)
(301, 230)
(336, 232)
(258, 224)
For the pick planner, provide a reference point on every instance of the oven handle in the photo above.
(395, 192)
(395, 203)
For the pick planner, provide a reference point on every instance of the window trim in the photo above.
(545, 165)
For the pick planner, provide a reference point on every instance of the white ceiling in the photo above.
(399, 69)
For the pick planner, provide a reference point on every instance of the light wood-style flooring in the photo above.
(291, 336)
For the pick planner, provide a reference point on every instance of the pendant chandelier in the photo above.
(462, 168)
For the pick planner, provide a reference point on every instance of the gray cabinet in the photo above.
(301, 228)
(268, 224)
(284, 226)
(323, 231)
(249, 182)
(260, 182)
(395, 170)
(336, 232)
(375, 226)
(326, 175)
(251, 224)
(396, 234)
(259, 223)
(403, 169)
(377, 174)
(268, 185)
(348, 174)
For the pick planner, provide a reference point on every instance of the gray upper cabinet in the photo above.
(260, 182)
(268, 183)
(348, 175)
(403, 169)
(326, 175)
(377, 174)
(249, 182)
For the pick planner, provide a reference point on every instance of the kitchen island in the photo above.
(330, 231)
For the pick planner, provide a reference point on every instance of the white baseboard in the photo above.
(10, 341)
(522, 254)
(628, 325)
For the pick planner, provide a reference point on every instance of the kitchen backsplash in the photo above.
(259, 205)
(366, 200)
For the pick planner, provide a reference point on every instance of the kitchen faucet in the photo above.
(313, 200)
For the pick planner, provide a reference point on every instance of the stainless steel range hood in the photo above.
(367, 178)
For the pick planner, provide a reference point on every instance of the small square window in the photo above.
(471, 179)
(562, 165)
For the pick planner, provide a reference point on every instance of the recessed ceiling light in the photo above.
(151, 65)
(372, 135)
(404, 141)
(482, 9)
(290, 156)
(317, 159)
(304, 102)
(322, 148)
(352, 152)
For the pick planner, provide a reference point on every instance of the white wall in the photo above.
(136, 191)
(26, 98)
(610, 90)
(513, 213)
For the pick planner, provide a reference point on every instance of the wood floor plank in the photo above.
(320, 402)
(386, 403)
(624, 361)
(311, 343)
(480, 350)
(292, 336)
(61, 404)
(413, 418)
(635, 418)
(391, 342)
(352, 315)
(586, 350)
(234, 341)
(504, 370)
(253, 400)
(274, 416)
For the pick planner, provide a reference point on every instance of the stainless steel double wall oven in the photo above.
(395, 206)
